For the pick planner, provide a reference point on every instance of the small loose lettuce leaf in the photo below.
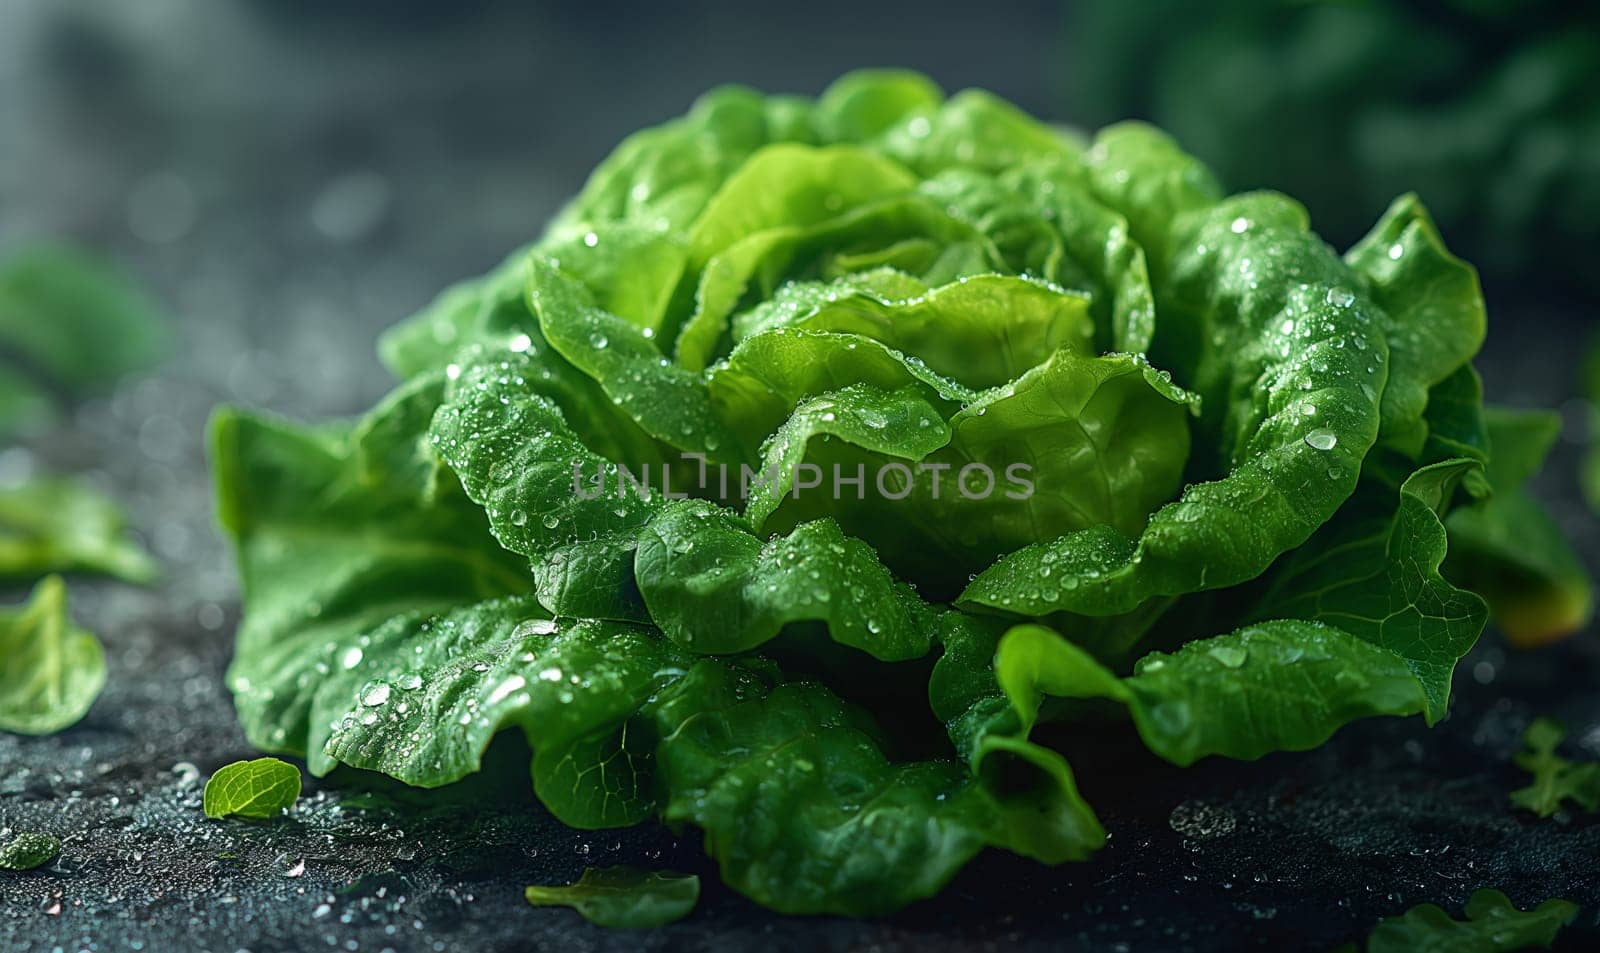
(1375, 574)
(624, 897)
(1508, 549)
(50, 670)
(76, 321)
(1284, 685)
(1555, 779)
(260, 790)
(29, 851)
(55, 524)
(1493, 925)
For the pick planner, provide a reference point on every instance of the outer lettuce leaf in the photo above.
(433, 691)
(328, 550)
(1434, 308)
(1375, 574)
(1284, 685)
(805, 814)
(1508, 549)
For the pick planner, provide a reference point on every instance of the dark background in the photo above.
(292, 177)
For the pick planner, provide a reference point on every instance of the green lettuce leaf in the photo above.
(1284, 685)
(1493, 925)
(53, 524)
(51, 671)
(1375, 574)
(624, 898)
(29, 851)
(330, 545)
(1555, 779)
(74, 321)
(1509, 550)
(261, 789)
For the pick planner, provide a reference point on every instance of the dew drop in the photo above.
(1228, 655)
(1322, 439)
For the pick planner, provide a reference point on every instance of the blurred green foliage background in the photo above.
(1489, 109)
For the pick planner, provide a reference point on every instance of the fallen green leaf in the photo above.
(624, 897)
(29, 851)
(50, 670)
(259, 789)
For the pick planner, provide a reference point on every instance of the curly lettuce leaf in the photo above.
(1075, 442)
(1283, 685)
(1289, 380)
(1509, 550)
(1375, 574)
(708, 581)
(330, 547)
(806, 815)
(1555, 779)
(1492, 925)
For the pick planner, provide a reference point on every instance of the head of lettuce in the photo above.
(816, 435)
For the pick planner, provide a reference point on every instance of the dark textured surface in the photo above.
(290, 190)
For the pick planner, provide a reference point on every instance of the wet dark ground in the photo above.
(292, 190)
